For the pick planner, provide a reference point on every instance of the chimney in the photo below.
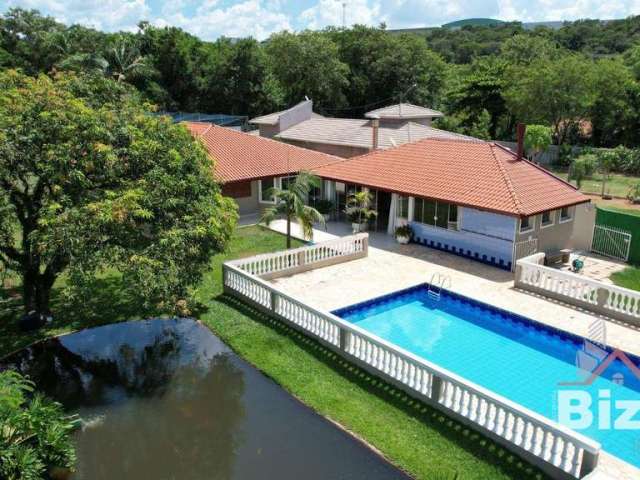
(375, 124)
(521, 128)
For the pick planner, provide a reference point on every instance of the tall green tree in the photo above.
(537, 140)
(90, 181)
(480, 89)
(307, 64)
(290, 203)
(556, 92)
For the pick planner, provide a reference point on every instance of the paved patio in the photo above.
(390, 267)
(596, 266)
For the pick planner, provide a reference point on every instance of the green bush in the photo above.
(35, 433)
(634, 193)
(583, 167)
(626, 161)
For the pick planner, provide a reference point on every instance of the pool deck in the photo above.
(390, 267)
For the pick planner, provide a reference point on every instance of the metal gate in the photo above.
(611, 242)
(524, 249)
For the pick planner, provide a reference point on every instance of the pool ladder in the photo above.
(436, 284)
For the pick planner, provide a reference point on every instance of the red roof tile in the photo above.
(239, 156)
(480, 175)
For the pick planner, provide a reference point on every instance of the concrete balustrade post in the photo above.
(344, 339)
(436, 388)
(589, 463)
(301, 261)
(274, 300)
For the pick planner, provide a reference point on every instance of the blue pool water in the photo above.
(513, 356)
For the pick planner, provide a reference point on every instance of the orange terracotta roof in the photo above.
(479, 175)
(239, 156)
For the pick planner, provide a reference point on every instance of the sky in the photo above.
(209, 19)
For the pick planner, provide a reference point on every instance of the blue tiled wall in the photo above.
(490, 246)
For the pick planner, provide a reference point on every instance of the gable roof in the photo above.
(359, 133)
(475, 174)
(403, 110)
(240, 157)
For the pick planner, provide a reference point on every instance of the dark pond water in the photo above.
(166, 399)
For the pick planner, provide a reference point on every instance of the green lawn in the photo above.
(628, 278)
(415, 437)
(617, 186)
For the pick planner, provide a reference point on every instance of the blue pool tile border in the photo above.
(515, 317)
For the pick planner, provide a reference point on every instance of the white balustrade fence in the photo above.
(288, 262)
(559, 451)
(602, 298)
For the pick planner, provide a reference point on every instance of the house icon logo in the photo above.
(593, 359)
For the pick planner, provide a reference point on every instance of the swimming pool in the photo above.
(516, 357)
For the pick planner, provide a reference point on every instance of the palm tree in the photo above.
(359, 207)
(125, 60)
(290, 204)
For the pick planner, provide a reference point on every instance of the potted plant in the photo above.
(403, 234)
(359, 210)
(326, 208)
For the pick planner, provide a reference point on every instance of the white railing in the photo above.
(554, 448)
(616, 302)
(305, 258)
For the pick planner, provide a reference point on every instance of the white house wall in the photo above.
(482, 236)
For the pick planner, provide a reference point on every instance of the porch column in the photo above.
(329, 190)
(393, 208)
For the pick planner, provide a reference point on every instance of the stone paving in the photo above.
(390, 267)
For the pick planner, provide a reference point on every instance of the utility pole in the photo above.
(344, 14)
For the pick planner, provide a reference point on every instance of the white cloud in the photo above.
(101, 14)
(247, 18)
(259, 18)
(329, 12)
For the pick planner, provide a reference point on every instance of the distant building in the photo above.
(382, 128)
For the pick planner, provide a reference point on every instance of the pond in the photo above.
(166, 399)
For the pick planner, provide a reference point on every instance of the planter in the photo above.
(359, 227)
(402, 240)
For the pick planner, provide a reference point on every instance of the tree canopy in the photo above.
(91, 181)
(582, 79)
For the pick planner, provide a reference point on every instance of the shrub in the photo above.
(35, 433)
(583, 167)
(403, 231)
(634, 193)
(626, 160)
(325, 207)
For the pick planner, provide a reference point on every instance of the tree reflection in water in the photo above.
(173, 398)
(166, 399)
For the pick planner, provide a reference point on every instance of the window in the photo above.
(403, 207)
(565, 214)
(526, 224)
(265, 186)
(547, 218)
(453, 217)
(436, 214)
(286, 181)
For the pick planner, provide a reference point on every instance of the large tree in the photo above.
(89, 181)
(307, 64)
(557, 92)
